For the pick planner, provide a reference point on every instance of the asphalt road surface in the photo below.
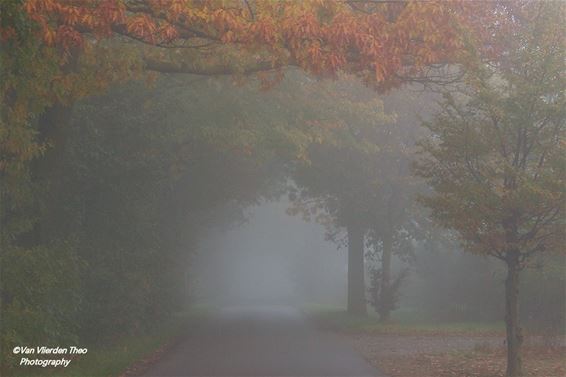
(261, 341)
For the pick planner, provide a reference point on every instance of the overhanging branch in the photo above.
(208, 69)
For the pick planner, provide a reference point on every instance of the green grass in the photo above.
(401, 323)
(110, 360)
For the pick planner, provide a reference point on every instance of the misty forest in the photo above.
(282, 188)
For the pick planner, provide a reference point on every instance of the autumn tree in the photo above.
(332, 176)
(58, 51)
(356, 181)
(394, 219)
(319, 36)
(496, 157)
(55, 52)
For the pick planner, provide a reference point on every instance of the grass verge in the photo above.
(123, 357)
(339, 320)
(413, 346)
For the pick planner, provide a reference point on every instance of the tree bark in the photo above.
(514, 336)
(385, 292)
(356, 284)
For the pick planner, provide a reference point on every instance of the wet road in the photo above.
(261, 341)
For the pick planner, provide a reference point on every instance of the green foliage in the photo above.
(42, 292)
(137, 180)
(40, 288)
(143, 185)
(23, 68)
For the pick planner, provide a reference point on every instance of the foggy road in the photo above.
(261, 341)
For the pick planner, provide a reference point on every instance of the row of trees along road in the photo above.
(495, 162)
(356, 178)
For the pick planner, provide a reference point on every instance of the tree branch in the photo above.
(152, 64)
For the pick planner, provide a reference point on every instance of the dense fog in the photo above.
(271, 258)
(282, 188)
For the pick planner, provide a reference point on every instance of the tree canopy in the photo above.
(376, 39)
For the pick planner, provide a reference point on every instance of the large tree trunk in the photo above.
(385, 291)
(514, 336)
(356, 285)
